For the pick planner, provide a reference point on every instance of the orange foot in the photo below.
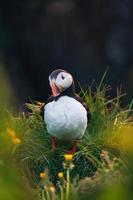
(74, 148)
(53, 143)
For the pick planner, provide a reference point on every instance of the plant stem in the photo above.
(68, 184)
(47, 194)
(42, 195)
(61, 193)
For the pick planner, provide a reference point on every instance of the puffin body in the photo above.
(66, 118)
(65, 114)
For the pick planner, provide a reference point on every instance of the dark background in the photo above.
(83, 36)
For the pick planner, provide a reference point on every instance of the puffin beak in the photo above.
(54, 93)
(60, 88)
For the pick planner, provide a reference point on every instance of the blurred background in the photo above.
(83, 37)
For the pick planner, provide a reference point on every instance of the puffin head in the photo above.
(60, 81)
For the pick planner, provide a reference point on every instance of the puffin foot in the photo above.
(74, 148)
(53, 143)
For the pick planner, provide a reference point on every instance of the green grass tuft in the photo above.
(34, 154)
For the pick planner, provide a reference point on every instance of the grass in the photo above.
(102, 154)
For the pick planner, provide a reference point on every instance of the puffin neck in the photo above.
(68, 92)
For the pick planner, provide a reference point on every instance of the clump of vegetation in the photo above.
(108, 173)
(100, 161)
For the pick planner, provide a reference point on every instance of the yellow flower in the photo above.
(11, 133)
(68, 157)
(42, 175)
(16, 141)
(60, 175)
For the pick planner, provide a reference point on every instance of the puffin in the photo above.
(66, 115)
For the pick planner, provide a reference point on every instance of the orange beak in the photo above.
(60, 88)
(54, 93)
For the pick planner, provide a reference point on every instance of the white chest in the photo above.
(65, 118)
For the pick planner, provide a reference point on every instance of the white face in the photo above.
(64, 80)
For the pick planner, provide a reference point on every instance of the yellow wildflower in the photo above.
(60, 175)
(11, 133)
(16, 141)
(68, 157)
(42, 174)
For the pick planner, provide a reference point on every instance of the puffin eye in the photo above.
(62, 77)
